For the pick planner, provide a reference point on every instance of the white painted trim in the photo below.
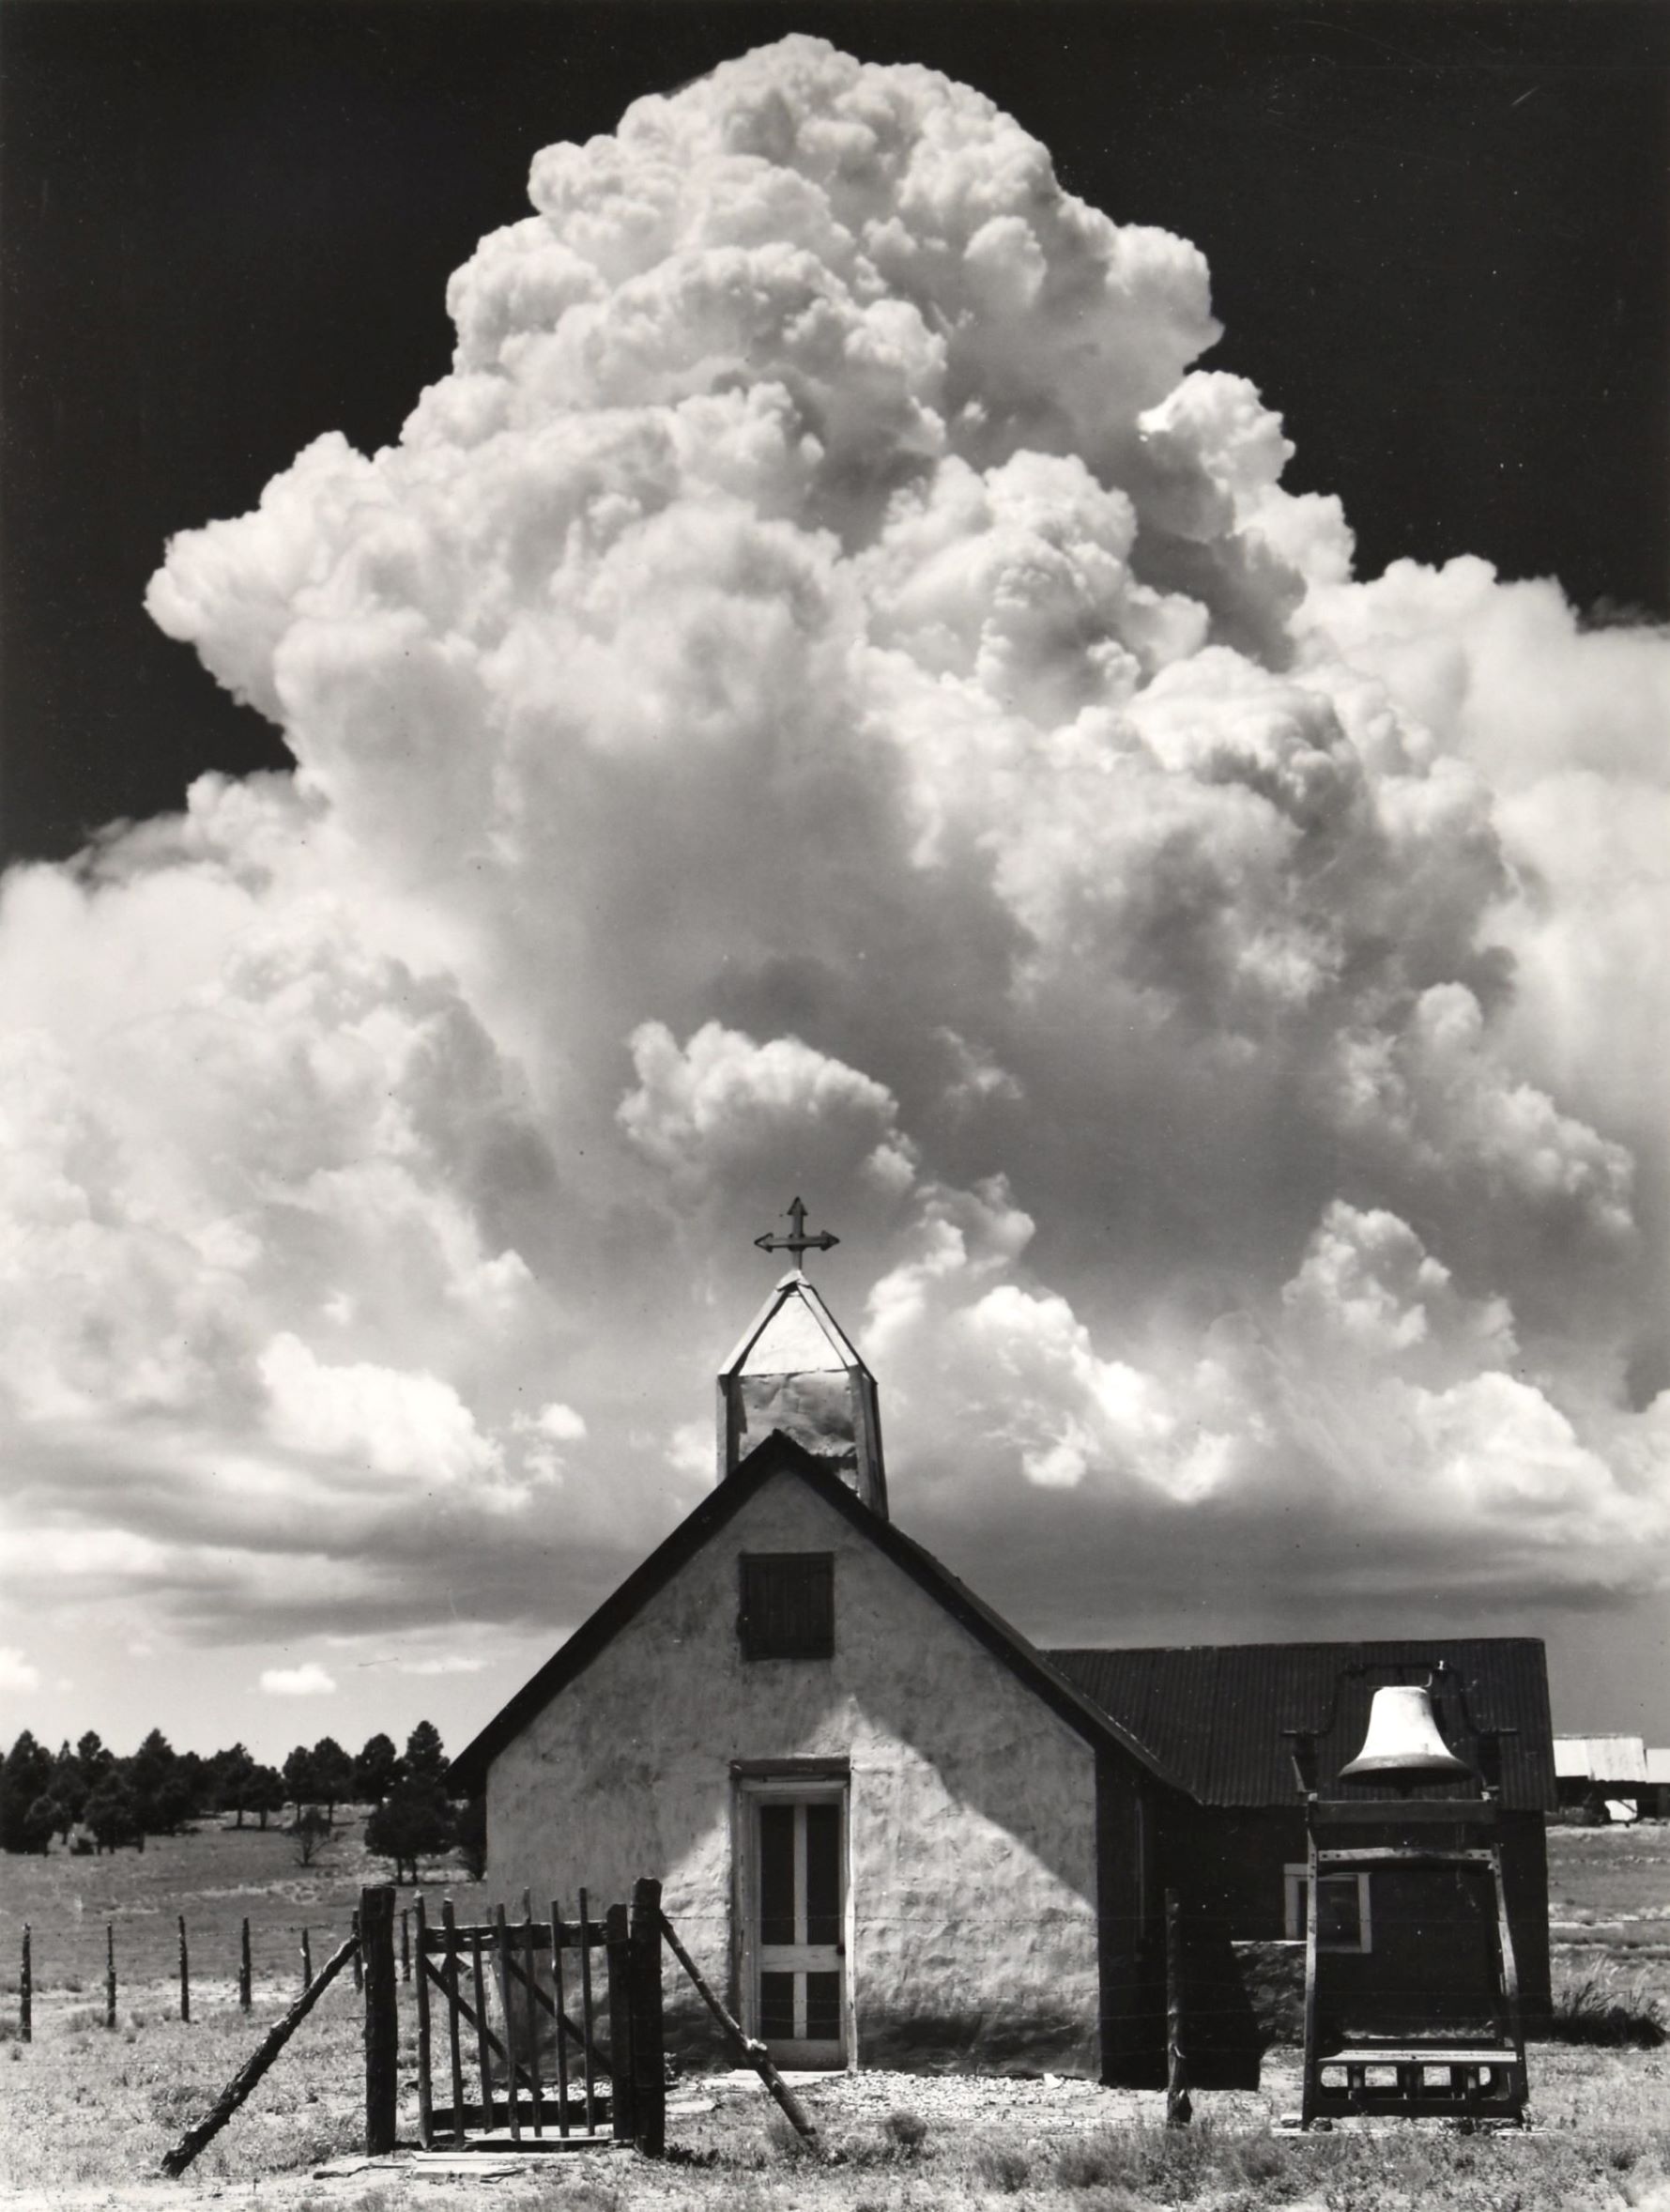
(747, 1791)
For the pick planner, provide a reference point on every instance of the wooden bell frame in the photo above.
(1471, 2078)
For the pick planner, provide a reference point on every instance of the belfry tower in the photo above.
(796, 1369)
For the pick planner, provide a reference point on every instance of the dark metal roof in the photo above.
(1213, 1714)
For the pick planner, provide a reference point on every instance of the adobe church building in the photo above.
(888, 1828)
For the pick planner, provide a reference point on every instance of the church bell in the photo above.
(1402, 1745)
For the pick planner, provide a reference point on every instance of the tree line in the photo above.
(109, 1802)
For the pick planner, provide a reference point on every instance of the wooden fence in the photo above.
(491, 1979)
(556, 2024)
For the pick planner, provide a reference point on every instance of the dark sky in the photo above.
(1437, 235)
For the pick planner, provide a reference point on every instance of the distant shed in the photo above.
(1594, 1771)
(1602, 1760)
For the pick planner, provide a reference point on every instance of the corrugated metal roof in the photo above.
(1599, 1758)
(1214, 1714)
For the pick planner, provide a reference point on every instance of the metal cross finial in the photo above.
(797, 1241)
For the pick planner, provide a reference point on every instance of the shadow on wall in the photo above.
(677, 1781)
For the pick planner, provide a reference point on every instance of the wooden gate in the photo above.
(547, 2031)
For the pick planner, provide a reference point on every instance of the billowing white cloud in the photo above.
(826, 695)
(719, 1101)
(17, 1673)
(390, 1422)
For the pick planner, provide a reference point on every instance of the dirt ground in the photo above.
(86, 2114)
(894, 2140)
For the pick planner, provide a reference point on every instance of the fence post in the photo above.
(747, 2047)
(110, 1975)
(192, 2141)
(649, 2084)
(406, 1945)
(616, 1934)
(374, 1921)
(307, 1959)
(358, 1953)
(185, 1975)
(245, 1974)
(26, 1991)
(425, 2046)
(1179, 2111)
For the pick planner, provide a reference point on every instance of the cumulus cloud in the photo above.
(17, 1673)
(828, 695)
(310, 1680)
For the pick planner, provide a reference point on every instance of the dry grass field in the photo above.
(86, 2114)
(216, 1878)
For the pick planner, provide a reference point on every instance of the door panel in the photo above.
(798, 1938)
(776, 1872)
(823, 2008)
(823, 1873)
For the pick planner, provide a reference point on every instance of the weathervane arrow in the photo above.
(797, 1241)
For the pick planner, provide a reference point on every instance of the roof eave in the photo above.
(778, 1455)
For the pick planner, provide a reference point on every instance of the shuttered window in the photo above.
(788, 1605)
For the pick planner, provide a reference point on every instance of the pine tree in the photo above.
(233, 1772)
(333, 1774)
(26, 1777)
(377, 1768)
(113, 1815)
(266, 1794)
(299, 1777)
(413, 1823)
(425, 1756)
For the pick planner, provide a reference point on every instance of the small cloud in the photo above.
(547, 1432)
(308, 1681)
(690, 1448)
(15, 1670)
(448, 1663)
(558, 1422)
(976, 1077)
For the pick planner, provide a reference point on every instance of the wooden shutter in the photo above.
(788, 1605)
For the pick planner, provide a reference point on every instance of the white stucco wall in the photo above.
(973, 1807)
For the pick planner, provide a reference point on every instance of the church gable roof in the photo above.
(779, 1454)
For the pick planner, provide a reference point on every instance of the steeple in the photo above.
(796, 1369)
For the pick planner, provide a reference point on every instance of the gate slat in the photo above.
(539, 2126)
(460, 1965)
(622, 2097)
(599, 2051)
(500, 1953)
(467, 2010)
(454, 1966)
(425, 2050)
(586, 2016)
(480, 1993)
(557, 1990)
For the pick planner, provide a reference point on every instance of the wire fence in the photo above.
(113, 1966)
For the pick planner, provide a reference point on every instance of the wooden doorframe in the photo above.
(797, 1780)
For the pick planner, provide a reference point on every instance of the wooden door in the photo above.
(799, 1937)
